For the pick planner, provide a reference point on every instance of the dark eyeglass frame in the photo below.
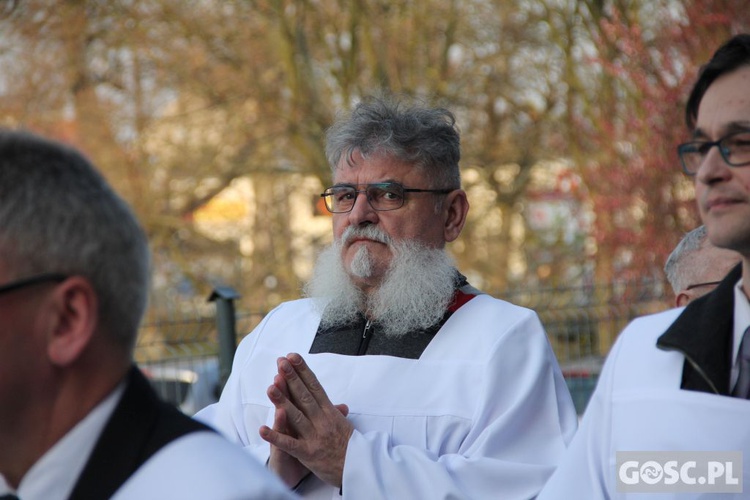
(394, 186)
(707, 283)
(33, 280)
(702, 147)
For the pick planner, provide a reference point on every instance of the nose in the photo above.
(362, 212)
(714, 168)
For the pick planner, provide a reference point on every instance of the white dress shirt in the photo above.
(741, 324)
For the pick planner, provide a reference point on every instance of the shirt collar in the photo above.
(54, 475)
(741, 323)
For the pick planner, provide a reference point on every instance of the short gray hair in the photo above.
(424, 136)
(59, 215)
(690, 243)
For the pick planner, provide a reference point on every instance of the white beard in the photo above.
(413, 296)
(361, 265)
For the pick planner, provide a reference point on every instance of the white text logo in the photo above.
(679, 471)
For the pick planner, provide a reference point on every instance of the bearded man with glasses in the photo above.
(395, 378)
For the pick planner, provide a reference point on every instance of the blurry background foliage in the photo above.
(209, 117)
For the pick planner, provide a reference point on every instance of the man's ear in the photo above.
(74, 310)
(682, 299)
(456, 207)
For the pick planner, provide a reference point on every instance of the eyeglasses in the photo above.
(734, 148)
(34, 280)
(707, 283)
(381, 196)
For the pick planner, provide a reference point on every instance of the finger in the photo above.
(280, 423)
(285, 443)
(298, 391)
(343, 409)
(280, 384)
(293, 419)
(308, 377)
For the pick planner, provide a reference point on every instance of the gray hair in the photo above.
(416, 134)
(59, 215)
(690, 243)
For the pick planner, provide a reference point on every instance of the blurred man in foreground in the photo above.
(671, 405)
(442, 391)
(77, 419)
(695, 267)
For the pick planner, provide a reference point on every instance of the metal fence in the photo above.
(581, 322)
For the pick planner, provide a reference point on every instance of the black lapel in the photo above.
(140, 425)
(703, 332)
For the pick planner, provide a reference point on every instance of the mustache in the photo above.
(370, 232)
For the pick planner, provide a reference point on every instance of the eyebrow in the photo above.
(730, 128)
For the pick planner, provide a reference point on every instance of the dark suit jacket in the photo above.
(704, 334)
(140, 425)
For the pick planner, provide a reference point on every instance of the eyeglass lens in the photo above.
(384, 196)
(734, 149)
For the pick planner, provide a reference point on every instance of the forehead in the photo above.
(376, 168)
(725, 103)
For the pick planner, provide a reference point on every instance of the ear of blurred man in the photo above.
(72, 315)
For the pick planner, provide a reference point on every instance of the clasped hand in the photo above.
(309, 434)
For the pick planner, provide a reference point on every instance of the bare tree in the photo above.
(176, 99)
